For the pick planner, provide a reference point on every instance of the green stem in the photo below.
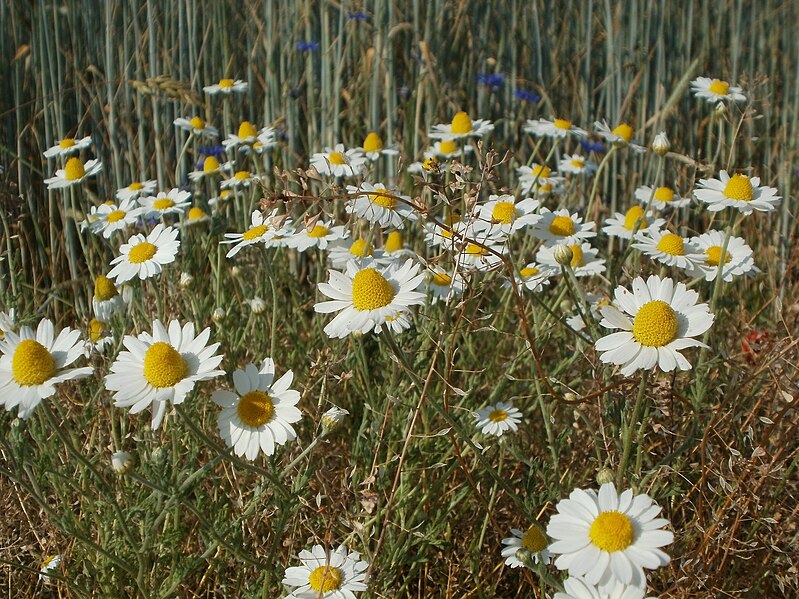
(627, 431)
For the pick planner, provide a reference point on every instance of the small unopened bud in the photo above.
(257, 305)
(234, 271)
(605, 475)
(570, 397)
(661, 144)
(332, 418)
(525, 556)
(563, 255)
(121, 462)
(186, 280)
(218, 315)
(720, 109)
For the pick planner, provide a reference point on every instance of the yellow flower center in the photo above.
(655, 325)
(393, 242)
(475, 250)
(97, 329)
(66, 143)
(373, 143)
(540, 171)
(635, 216)
(448, 147)
(713, 254)
(32, 364)
(371, 290)
(115, 215)
(717, 86)
(136, 186)
(255, 409)
(196, 213)
(664, 194)
(164, 366)
(431, 164)
(325, 579)
(361, 249)
(74, 170)
(534, 539)
(562, 226)
(611, 531)
(163, 204)
(382, 198)
(624, 131)
(242, 175)
(226, 83)
(104, 289)
(255, 232)
(461, 123)
(142, 252)
(578, 258)
(528, 272)
(336, 158)
(247, 129)
(210, 164)
(197, 123)
(578, 162)
(441, 279)
(504, 212)
(562, 124)
(672, 244)
(739, 187)
(498, 415)
(318, 231)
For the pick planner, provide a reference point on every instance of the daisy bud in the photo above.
(186, 280)
(218, 315)
(234, 272)
(121, 462)
(570, 397)
(332, 418)
(257, 305)
(127, 294)
(605, 475)
(563, 255)
(525, 556)
(720, 109)
(661, 144)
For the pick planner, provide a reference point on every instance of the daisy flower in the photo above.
(739, 191)
(32, 364)
(394, 247)
(322, 234)
(486, 255)
(584, 262)
(501, 213)
(327, 575)
(107, 218)
(106, 300)
(172, 202)
(623, 225)
(497, 419)
(49, 565)
(211, 167)
(534, 276)
(535, 176)
(145, 256)
(442, 285)
(716, 90)
(460, 127)
(661, 197)
(247, 135)
(378, 205)
(664, 318)
(68, 146)
(339, 162)
(195, 216)
(669, 248)
(738, 258)
(99, 338)
(74, 172)
(358, 250)
(533, 540)
(266, 140)
(240, 179)
(576, 164)
(365, 297)
(226, 87)
(556, 129)
(161, 367)
(260, 231)
(136, 189)
(561, 228)
(436, 235)
(197, 126)
(373, 147)
(333, 417)
(578, 588)
(620, 136)
(224, 196)
(260, 413)
(447, 149)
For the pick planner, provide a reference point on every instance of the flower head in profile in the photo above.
(262, 230)
(378, 205)
(197, 126)
(576, 587)
(562, 228)
(327, 574)
(534, 276)
(481, 250)
(576, 164)
(109, 217)
(581, 257)
(536, 177)
(210, 167)
(246, 135)
(339, 162)
(73, 173)
(532, 540)
(259, 414)
(716, 90)
(442, 285)
(162, 367)
(145, 257)
(555, 129)
(669, 248)
(136, 189)
(608, 538)
(240, 179)
(462, 126)
(226, 87)
(358, 250)
(106, 300)
(737, 258)
(497, 419)
(737, 191)
(33, 363)
(49, 564)
(68, 146)
(661, 197)
(632, 221)
(319, 234)
(502, 213)
(173, 201)
(622, 135)
(656, 319)
(373, 147)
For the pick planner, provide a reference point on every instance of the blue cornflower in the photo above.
(527, 95)
(216, 151)
(307, 46)
(592, 146)
(357, 16)
(493, 80)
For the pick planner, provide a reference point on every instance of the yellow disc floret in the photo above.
(318, 231)
(197, 123)
(498, 415)
(461, 124)
(534, 539)
(739, 187)
(624, 131)
(210, 164)
(164, 366)
(635, 218)
(504, 212)
(372, 143)
(529, 271)
(472, 249)
(393, 242)
(325, 579)
(136, 186)
(247, 130)
(655, 325)
(717, 86)
(163, 204)
(371, 290)
(32, 364)
(336, 158)
(142, 252)
(441, 279)
(562, 124)
(74, 170)
(242, 175)
(255, 232)
(196, 213)
(255, 409)
(541, 171)
(104, 289)
(67, 143)
(97, 329)
(361, 249)
(713, 254)
(384, 199)
(578, 258)
(448, 147)
(664, 194)
(226, 83)
(611, 531)
(672, 244)
(562, 226)
(115, 215)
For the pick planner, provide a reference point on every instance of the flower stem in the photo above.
(627, 431)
